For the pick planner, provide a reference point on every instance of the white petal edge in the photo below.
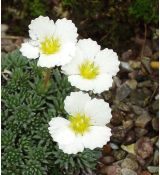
(102, 83)
(99, 112)
(108, 61)
(75, 103)
(73, 148)
(81, 83)
(66, 30)
(88, 47)
(41, 27)
(29, 51)
(96, 137)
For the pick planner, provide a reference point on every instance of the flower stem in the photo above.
(47, 78)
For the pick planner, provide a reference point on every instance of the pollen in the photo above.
(88, 70)
(50, 46)
(79, 123)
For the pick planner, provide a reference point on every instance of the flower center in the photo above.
(79, 123)
(50, 45)
(88, 69)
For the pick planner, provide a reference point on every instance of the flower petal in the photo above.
(67, 52)
(108, 61)
(73, 148)
(99, 112)
(41, 27)
(29, 51)
(72, 68)
(60, 131)
(66, 30)
(102, 83)
(89, 48)
(81, 83)
(75, 103)
(48, 60)
(96, 137)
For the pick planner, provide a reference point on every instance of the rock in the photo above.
(129, 164)
(114, 146)
(135, 64)
(146, 63)
(130, 137)
(157, 143)
(147, 84)
(126, 171)
(111, 170)
(140, 132)
(153, 169)
(129, 148)
(107, 160)
(122, 106)
(119, 154)
(4, 28)
(156, 158)
(128, 124)
(144, 147)
(122, 92)
(133, 74)
(106, 149)
(117, 118)
(142, 121)
(138, 110)
(117, 81)
(145, 173)
(155, 123)
(118, 134)
(125, 66)
(132, 84)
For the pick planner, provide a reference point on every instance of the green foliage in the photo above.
(145, 10)
(27, 147)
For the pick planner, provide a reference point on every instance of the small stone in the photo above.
(157, 143)
(126, 171)
(142, 121)
(111, 170)
(147, 84)
(130, 137)
(155, 123)
(118, 134)
(156, 158)
(130, 164)
(107, 160)
(144, 147)
(138, 110)
(153, 169)
(122, 106)
(117, 118)
(117, 81)
(119, 154)
(125, 66)
(114, 146)
(128, 124)
(145, 173)
(135, 64)
(127, 54)
(106, 149)
(132, 84)
(146, 63)
(140, 132)
(122, 92)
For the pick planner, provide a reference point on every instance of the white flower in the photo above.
(53, 43)
(85, 127)
(92, 68)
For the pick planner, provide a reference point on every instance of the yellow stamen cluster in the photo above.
(79, 123)
(89, 70)
(50, 46)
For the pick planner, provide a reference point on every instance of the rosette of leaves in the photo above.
(27, 147)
